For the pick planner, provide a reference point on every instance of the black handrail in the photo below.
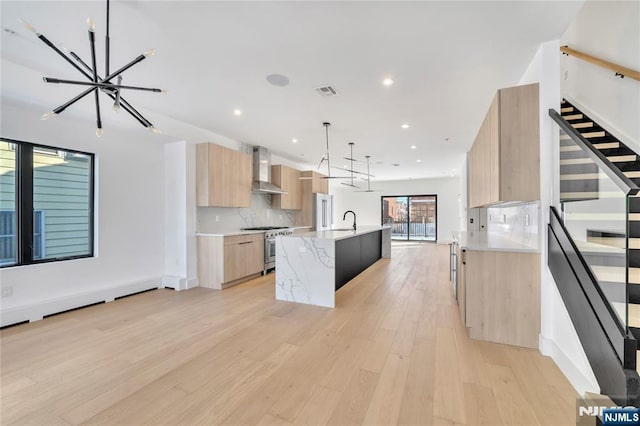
(623, 182)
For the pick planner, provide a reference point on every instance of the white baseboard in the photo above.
(581, 382)
(36, 311)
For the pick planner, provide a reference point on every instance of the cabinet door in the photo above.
(289, 180)
(519, 143)
(243, 175)
(253, 253)
(319, 185)
(492, 136)
(235, 264)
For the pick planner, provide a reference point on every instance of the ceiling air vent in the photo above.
(326, 91)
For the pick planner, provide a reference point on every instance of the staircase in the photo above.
(580, 180)
(594, 248)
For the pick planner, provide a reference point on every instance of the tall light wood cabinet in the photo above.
(504, 161)
(289, 180)
(223, 176)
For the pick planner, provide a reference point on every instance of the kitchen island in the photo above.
(312, 266)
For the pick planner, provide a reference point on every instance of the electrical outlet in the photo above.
(7, 291)
(217, 218)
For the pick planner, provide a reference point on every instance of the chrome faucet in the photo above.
(344, 217)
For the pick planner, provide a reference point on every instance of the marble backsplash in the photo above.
(518, 222)
(229, 219)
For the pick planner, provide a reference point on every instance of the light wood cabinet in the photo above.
(318, 183)
(223, 176)
(499, 296)
(225, 261)
(312, 183)
(504, 161)
(289, 180)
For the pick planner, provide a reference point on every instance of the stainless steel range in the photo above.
(270, 234)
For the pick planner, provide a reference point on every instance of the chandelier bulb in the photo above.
(149, 52)
(116, 107)
(99, 132)
(152, 129)
(48, 116)
(90, 23)
(27, 25)
(165, 91)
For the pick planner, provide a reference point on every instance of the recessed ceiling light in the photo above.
(446, 139)
(396, 164)
(237, 112)
(294, 140)
(418, 161)
(387, 82)
(413, 147)
(405, 126)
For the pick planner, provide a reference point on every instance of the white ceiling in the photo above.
(446, 58)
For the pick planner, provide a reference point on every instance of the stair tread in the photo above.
(590, 247)
(615, 274)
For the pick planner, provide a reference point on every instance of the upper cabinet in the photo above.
(504, 161)
(223, 176)
(318, 182)
(289, 180)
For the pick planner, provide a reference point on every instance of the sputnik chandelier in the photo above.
(95, 83)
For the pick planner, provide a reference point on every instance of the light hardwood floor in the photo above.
(393, 352)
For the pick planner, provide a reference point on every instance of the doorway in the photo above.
(411, 217)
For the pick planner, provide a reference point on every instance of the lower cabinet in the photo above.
(225, 261)
(499, 296)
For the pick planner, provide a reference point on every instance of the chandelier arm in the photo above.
(73, 101)
(113, 75)
(92, 41)
(59, 52)
(127, 107)
(124, 102)
(101, 85)
(83, 63)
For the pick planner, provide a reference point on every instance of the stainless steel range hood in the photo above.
(262, 172)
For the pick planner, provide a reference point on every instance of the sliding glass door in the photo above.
(411, 217)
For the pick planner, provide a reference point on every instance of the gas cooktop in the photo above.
(264, 228)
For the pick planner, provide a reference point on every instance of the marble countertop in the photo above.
(336, 235)
(234, 233)
(490, 241)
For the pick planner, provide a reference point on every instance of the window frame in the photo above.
(24, 205)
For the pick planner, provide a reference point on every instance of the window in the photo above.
(411, 217)
(46, 203)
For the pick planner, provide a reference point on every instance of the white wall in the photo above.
(367, 205)
(130, 218)
(609, 30)
(558, 338)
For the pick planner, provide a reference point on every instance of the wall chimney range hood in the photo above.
(262, 172)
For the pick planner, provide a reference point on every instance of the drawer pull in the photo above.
(246, 242)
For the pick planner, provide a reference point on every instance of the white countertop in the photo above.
(490, 241)
(240, 232)
(338, 234)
